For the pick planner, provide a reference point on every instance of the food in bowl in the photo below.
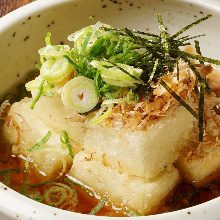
(119, 119)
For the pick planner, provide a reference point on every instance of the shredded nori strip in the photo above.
(201, 111)
(181, 101)
(177, 69)
(190, 26)
(198, 50)
(164, 35)
(201, 58)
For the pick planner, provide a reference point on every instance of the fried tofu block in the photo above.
(122, 189)
(202, 168)
(142, 153)
(25, 127)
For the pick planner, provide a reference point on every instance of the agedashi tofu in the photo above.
(119, 115)
(199, 162)
(26, 127)
(142, 153)
(201, 168)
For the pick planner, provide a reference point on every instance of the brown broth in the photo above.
(185, 195)
(86, 201)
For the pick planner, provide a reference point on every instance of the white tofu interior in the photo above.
(30, 126)
(142, 153)
(201, 169)
(124, 190)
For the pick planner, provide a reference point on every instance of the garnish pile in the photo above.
(108, 66)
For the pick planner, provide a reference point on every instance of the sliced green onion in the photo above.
(79, 36)
(39, 144)
(38, 66)
(55, 195)
(121, 75)
(39, 94)
(34, 85)
(114, 101)
(36, 185)
(6, 179)
(23, 189)
(79, 94)
(131, 213)
(97, 81)
(36, 196)
(135, 73)
(181, 101)
(85, 41)
(56, 70)
(53, 51)
(8, 171)
(85, 38)
(48, 38)
(96, 209)
(64, 138)
(131, 97)
(98, 119)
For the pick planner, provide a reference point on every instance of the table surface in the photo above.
(7, 6)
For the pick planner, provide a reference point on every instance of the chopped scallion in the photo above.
(55, 195)
(36, 185)
(96, 209)
(48, 38)
(4, 172)
(64, 138)
(36, 196)
(104, 114)
(55, 71)
(131, 213)
(39, 94)
(125, 71)
(23, 189)
(79, 94)
(43, 141)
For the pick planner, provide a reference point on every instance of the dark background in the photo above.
(7, 6)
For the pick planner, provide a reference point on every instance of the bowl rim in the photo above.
(21, 203)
